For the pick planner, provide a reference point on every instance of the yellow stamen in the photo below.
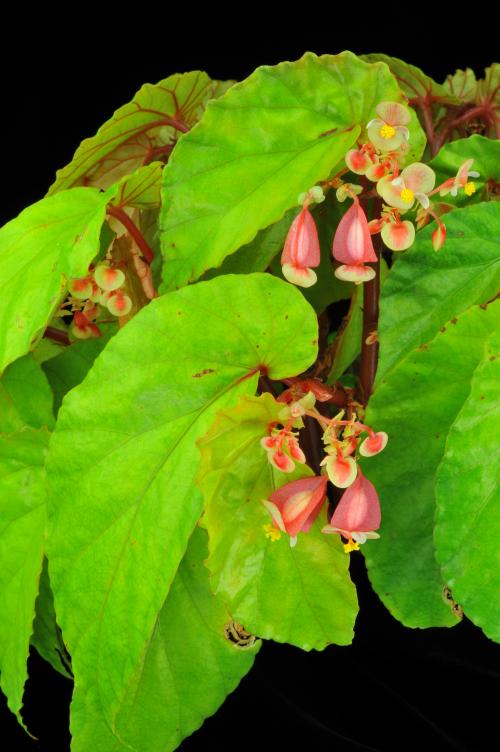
(351, 546)
(469, 188)
(387, 131)
(272, 533)
(407, 196)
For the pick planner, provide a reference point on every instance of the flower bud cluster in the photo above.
(295, 505)
(379, 160)
(102, 286)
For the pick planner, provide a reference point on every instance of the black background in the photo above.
(394, 688)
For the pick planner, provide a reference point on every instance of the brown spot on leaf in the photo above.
(424, 346)
(203, 373)
(453, 321)
(493, 357)
(443, 329)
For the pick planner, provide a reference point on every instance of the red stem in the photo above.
(134, 231)
(57, 335)
(369, 352)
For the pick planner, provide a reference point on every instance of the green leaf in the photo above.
(49, 242)
(46, 637)
(301, 595)
(462, 84)
(486, 155)
(425, 289)
(468, 497)
(135, 132)
(415, 84)
(257, 255)
(25, 397)
(140, 189)
(265, 141)
(22, 533)
(416, 404)
(123, 505)
(187, 670)
(68, 369)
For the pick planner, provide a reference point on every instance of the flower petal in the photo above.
(378, 131)
(359, 508)
(419, 177)
(357, 161)
(342, 471)
(355, 273)
(398, 236)
(393, 113)
(373, 444)
(352, 243)
(299, 276)
(302, 244)
(298, 501)
(391, 191)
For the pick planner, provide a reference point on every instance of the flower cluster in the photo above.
(379, 160)
(103, 285)
(295, 505)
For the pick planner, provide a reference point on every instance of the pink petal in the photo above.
(373, 444)
(299, 276)
(419, 177)
(302, 244)
(342, 471)
(384, 144)
(439, 236)
(398, 236)
(355, 273)
(357, 161)
(391, 192)
(300, 500)
(359, 508)
(352, 243)
(282, 461)
(295, 451)
(393, 113)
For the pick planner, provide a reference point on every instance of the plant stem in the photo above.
(134, 231)
(57, 335)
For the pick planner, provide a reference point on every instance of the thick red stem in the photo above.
(134, 231)
(57, 335)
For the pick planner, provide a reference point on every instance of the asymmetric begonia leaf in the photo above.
(417, 404)
(426, 289)
(257, 148)
(25, 397)
(187, 669)
(123, 459)
(417, 85)
(486, 155)
(462, 84)
(22, 538)
(140, 130)
(48, 243)
(46, 637)
(468, 497)
(140, 189)
(301, 595)
(69, 367)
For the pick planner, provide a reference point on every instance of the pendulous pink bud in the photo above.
(352, 245)
(301, 251)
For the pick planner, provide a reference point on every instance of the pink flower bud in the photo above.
(295, 506)
(108, 278)
(342, 471)
(352, 245)
(119, 304)
(438, 236)
(301, 250)
(358, 512)
(373, 444)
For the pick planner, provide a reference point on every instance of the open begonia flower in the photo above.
(352, 245)
(460, 181)
(412, 185)
(389, 131)
(398, 236)
(83, 328)
(357, 515)
(301, 251)
(295, 506)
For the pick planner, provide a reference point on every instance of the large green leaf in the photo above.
(486, 155)
(416, 404)
(68, 369)
(302, 595)
(265, 141)
(49, 242)
(137, 131)
(46, 637)
(425, 289)
(468, 497)
(123, 504)
(22, 533)
(140, 189)
(187, 669)
(418, 86)
(25, 397)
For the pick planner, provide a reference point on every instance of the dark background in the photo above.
(394, 688)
